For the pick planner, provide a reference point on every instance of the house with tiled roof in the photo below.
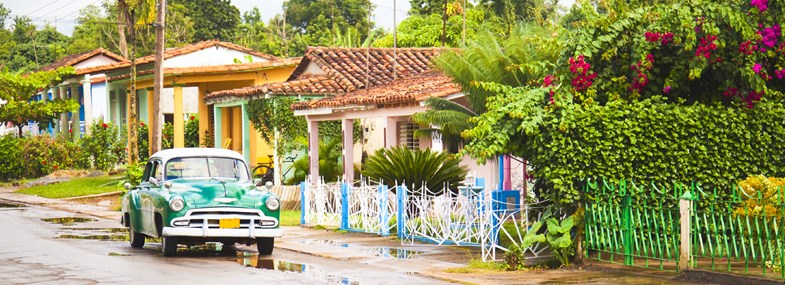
(190, 72)
(380, 87)
(81, 88)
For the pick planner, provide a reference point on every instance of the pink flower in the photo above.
(762, 5)
(706, 46)
(548, 80)
(667, 38)
(666, 89)
(580, 68)
(757, 67)
(780, 73)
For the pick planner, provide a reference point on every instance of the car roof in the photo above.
(167, 154)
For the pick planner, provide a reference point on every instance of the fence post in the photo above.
(384, 219)
(400, 193)
(344, 206)
(303, 202)
(685, 215)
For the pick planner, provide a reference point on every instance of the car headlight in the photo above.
(273, 203)
(176, 204)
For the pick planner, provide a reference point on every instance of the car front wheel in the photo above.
(265, 245)
(169, 245)
(136, 239)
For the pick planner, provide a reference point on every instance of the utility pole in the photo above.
(158, 77)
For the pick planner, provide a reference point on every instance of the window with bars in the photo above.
(406, 135)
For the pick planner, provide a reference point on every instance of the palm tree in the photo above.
(526, 56)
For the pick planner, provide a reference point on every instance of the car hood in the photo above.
(201, 193)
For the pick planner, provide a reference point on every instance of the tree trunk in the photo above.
(121, 23)
(20, 126)
(158, 78)
(444, 23)
(133, 119)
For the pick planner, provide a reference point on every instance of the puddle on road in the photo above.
(10, 205)
(95, 237)
(105, 234)
(67, 221)
(325, 242)
(398, 253)
(252, 260)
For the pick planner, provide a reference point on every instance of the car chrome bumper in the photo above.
(206, 232)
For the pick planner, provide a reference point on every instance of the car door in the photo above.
(148, 196)
(135, 199)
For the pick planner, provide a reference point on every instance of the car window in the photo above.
(148, 168)
(191, 167)
(158, 171)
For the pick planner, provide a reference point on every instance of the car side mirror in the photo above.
(268, 185)
(258, 182)
(127, 186)
(153, 181)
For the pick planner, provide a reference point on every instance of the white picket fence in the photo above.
(481, 219)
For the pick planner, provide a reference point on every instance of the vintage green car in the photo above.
(195, 195)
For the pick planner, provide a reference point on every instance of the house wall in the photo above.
(95, 61)
(190, 100)
(217, 55)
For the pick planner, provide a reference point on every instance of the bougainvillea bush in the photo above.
(679, 91)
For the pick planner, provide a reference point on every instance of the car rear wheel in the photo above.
(136, 239)
(265, 245)
(169, 245)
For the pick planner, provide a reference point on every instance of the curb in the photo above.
(724, 278)
(92, 196)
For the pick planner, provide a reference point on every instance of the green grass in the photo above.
(479, 266)
(75, 188)
(290, 218)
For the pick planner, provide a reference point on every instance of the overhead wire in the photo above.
(39, 9)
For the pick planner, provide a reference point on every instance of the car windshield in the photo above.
(193, 167)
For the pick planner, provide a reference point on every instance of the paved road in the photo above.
(33, 251)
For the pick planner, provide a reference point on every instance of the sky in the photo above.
(63, 13)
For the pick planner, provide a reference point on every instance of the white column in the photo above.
(347, 125)
(88, 102)
(391, 133)
(313, 149)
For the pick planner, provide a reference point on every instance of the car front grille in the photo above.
(210, 218)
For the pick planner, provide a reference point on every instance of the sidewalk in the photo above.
(419, 259)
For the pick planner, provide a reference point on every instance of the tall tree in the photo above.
(319, 21)
(213, 19)
(16, 90)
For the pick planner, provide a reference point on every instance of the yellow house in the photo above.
(190, 72)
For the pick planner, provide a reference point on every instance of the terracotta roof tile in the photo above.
(76, 58)
(345, 71)
(172, 52)
(408, 90)
(239, 67)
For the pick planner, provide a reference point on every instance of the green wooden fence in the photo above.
(639, 225)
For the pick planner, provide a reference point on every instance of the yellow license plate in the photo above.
(229, 223)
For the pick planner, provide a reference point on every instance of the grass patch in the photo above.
(290, 218)
(479, 266)
(75, 188)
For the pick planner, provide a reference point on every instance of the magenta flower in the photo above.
(666, 90)
(762, 5)
(780, 73)
(757, 67)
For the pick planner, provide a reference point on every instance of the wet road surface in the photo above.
(43, 246)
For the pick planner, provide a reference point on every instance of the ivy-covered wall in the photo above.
(651, 140)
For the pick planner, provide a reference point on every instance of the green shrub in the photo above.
(192, 131)
(133, 175)
(649, 140)
(167, 139)
(105, 144)
(415, 168)
(12, 165)
(144, 141)
(44, 154)
(330, 165)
